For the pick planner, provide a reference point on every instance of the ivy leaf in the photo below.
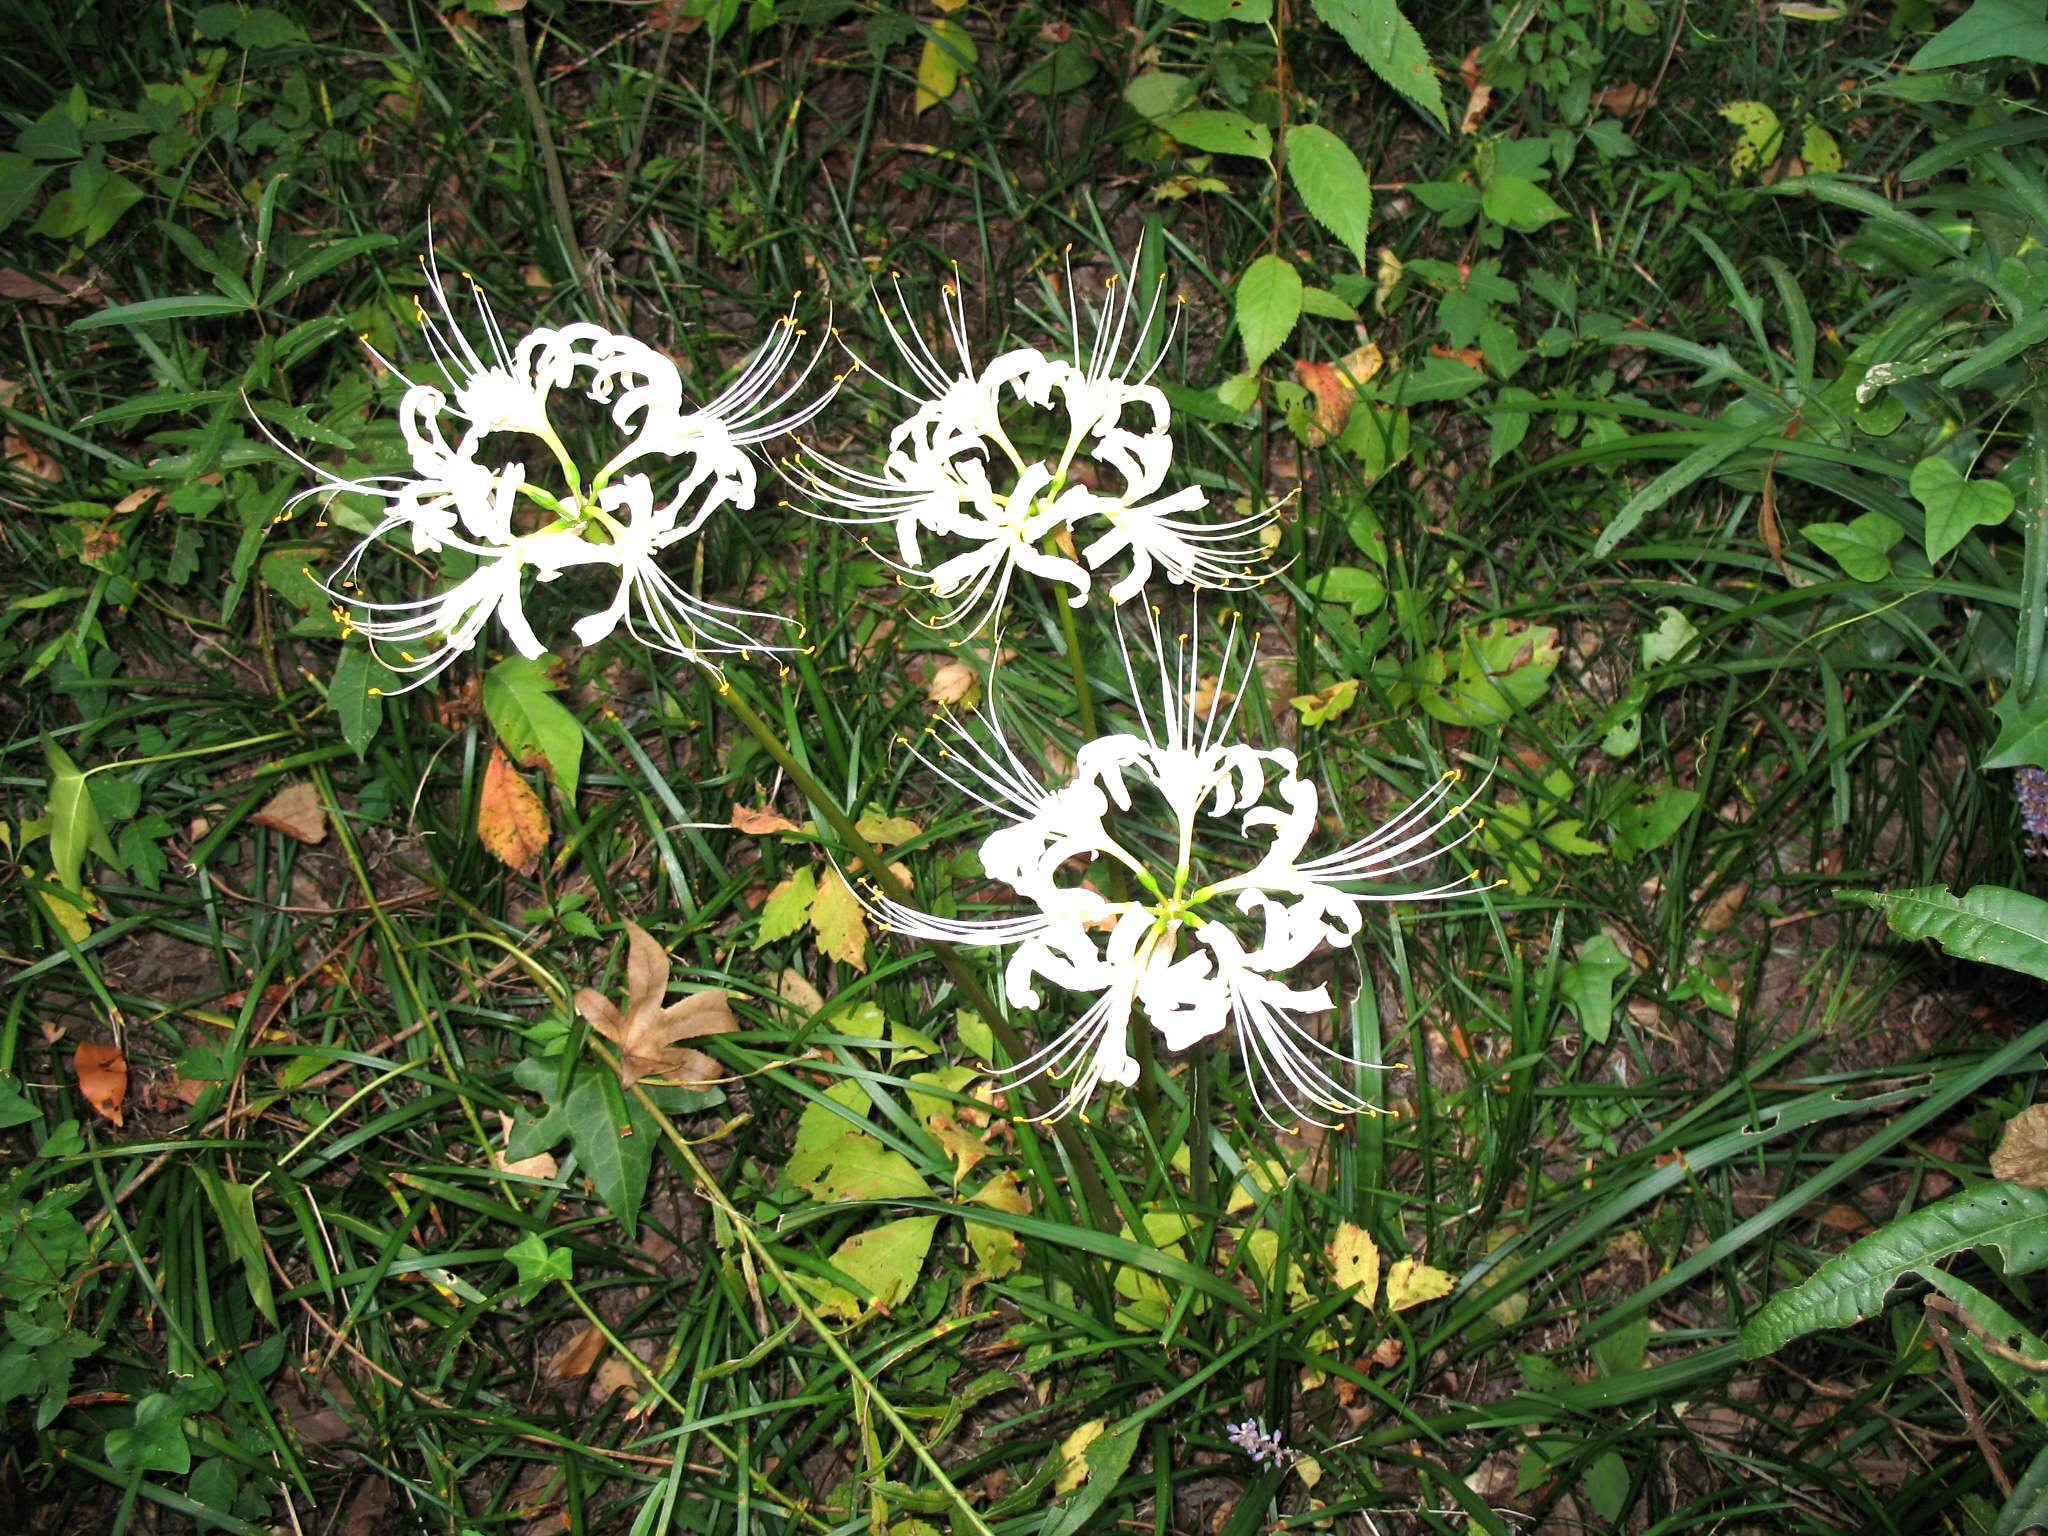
(1332, 185)
(1862, 548)
(648, 1031)
(1588, 984)
(1268, 305)
(788, 907)
(1954, 504)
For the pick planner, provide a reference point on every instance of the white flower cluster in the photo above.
(974, 465)
(509, 493)
(1193, 954)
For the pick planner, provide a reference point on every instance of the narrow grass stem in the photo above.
(550, 156)
(970, 1519)
(1100, 1207)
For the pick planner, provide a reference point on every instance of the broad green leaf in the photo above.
(1332, 185)
(885, 1260)
(609, 1146)
(534, 727)
(1853, 1285)
(1156, 93)
(1817, 147)
(2030, 1387)
(1991, 924)
(1989, 29)
(2028, 1506)
(74, 821)
(2023, 731)
(19, 184)
(234, 1207)
(1862, 548)
(1391, 47)
(788, 906)
(1356, 588)
(356, 695)
(1268, 305)
(1653, 823)
(1955, 504)
(1253, 12)
(1325, 305)
(1518, 203)
(1672, 639)
(1504, 667)
(1606, 1482)
(853, 1165)
(155, 1442)
(1621, 1352)
(1588, 984)
(1221, 133)
(540, 1263)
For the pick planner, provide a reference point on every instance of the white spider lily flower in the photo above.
(1143, 816)
(502, 486)
(961, 466)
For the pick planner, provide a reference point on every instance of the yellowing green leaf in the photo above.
(1073, 1451)
(1761, 135)
(788, 907)
(1410, 1284)
(1355, 1261)
(840, 923)
(947, 52)
(884, 830)
(855, 1166)
(885, 1260)
(1817, 147)
(1326, 704)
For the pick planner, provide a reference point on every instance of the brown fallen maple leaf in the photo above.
(647, 1032)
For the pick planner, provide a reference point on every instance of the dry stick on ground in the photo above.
(1967, 1401)
(1984, 1336)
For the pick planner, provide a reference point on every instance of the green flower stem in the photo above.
(1149, 1105)
(963, 974)
(708, 1187)
(550, 157)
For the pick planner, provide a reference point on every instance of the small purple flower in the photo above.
(2031, 785)
(1264, 1449)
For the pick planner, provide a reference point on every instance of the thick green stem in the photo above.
(1082, 1167)
(550, 157)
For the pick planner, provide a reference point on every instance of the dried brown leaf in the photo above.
(510, 818)
(2022, 1155)
(296, 812)
(761, 823)
(647, 1032)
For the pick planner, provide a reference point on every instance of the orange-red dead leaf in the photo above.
(510, 817)
(296, 812)
(1335, 386)
(1476, 107)
(102, 1073)
(648, 1033)
(761, 823)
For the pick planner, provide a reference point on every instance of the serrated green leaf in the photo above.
(1391, 47)
(1268, 305)
(885, 1260)
(1587, 984)
(1854, 1284)
(533, 725)
(1991, 924)
(1332, 185)
(1955, 504)
(1221, 133)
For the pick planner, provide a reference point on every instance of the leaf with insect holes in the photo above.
(510, 818)
(648, 1032)
(1355, 1261)
(102, 1073)
(788, 906)
(1410, 1284)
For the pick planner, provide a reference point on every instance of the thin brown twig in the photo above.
(1966, 1399)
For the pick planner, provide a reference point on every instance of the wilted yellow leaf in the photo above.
(1355, 1260)
(1073, 1451)
(841, 925)
(946, 52)
(1410, 1284)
